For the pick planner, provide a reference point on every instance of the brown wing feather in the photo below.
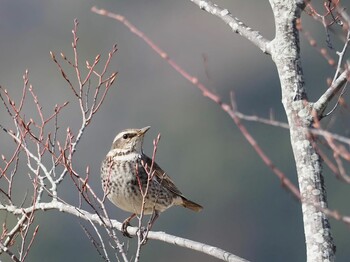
(161, 177)
(165, 181)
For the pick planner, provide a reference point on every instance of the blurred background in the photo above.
(246, 211)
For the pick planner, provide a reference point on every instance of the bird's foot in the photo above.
(125, 224)
(144, 233)
(124, 229)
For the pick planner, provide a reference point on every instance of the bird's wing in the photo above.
(161, 176)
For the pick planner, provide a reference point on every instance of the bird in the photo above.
(125, 172)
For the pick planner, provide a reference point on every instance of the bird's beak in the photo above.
(142, 131)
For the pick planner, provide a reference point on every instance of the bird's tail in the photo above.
(191, 205)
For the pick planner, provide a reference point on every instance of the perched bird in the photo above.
(123, 177)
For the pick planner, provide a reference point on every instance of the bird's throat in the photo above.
(124, 155)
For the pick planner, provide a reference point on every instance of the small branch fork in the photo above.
(328, 18)
(231, 109)
(36, 140)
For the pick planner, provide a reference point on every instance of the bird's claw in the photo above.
(144, 233)
(124, 229)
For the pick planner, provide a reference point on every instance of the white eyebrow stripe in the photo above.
(119, 136)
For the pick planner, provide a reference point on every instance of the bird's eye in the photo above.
(125, 136)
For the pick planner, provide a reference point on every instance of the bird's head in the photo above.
(130, 140)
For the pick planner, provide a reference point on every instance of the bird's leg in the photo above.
(125, 224)
(153, 219)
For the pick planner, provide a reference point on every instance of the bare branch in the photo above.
(336, 86)
(80, 213)
(7, 251)
(235, 24)
(37, 143)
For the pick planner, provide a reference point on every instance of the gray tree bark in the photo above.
(301, 113)
(285, 52)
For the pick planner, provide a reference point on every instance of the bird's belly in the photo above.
(128, 198)
(125, 193)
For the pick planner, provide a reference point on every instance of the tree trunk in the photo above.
(285, 52)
